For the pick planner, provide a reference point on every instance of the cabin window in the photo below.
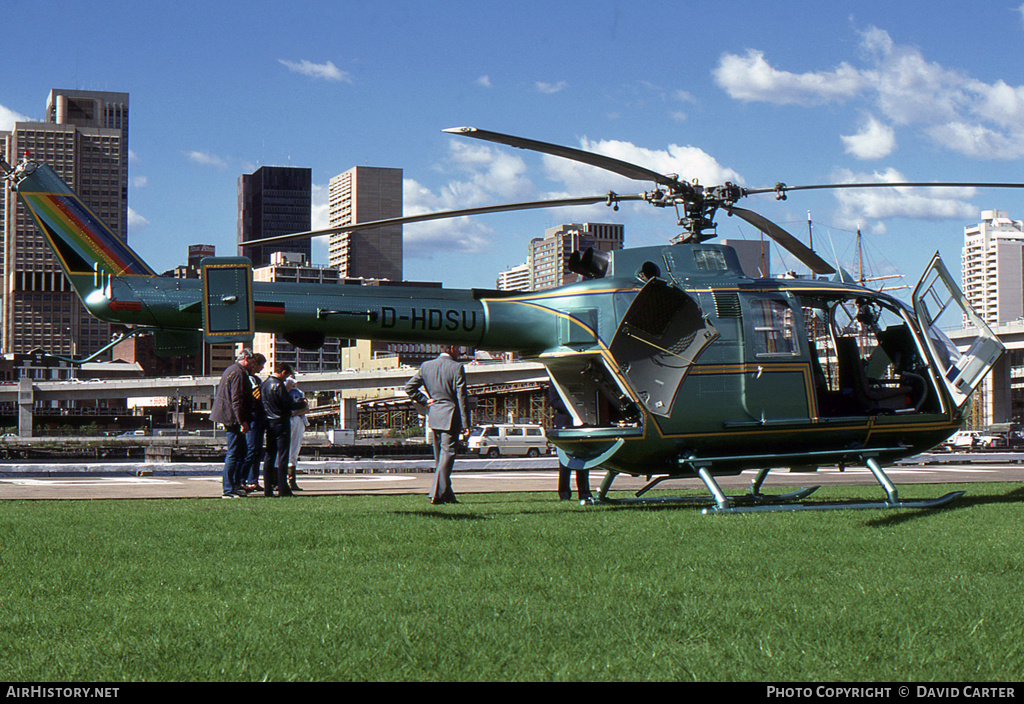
(774, 334)
(709, 260)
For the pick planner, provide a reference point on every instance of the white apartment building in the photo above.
(993, 267)
(515, 279)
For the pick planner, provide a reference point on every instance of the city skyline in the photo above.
(753, 94)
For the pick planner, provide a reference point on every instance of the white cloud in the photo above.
(484, 81)
(480, 175)
(140, 181)
(957, 112)
(751, 79)
(8, 117)
(488, 173)
(206, 159)
(136, 222)
(427, 239)
(549, 88)
(857, 206)
(688, 163)
(320, 208)
(978, 141)
(327, 71)
(873, 141)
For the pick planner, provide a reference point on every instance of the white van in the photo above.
(507, 439)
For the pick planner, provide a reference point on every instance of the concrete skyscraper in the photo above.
(85, 140)
(993, 267)
(549, 255)
(274, 200)
(364, 194)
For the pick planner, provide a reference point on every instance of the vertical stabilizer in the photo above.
(81, 241)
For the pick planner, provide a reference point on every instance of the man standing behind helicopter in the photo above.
(444, 381)
(279, 406)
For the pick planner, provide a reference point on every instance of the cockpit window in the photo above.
(864, 357)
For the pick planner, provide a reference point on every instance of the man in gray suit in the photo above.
(440, 385)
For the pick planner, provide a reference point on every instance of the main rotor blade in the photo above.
(782, 188)
(608, 198)
(791, 244)
(623, 168)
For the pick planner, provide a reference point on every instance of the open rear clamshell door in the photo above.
(658, 340)
(939, 303)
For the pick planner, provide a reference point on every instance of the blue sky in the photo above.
(750, 92)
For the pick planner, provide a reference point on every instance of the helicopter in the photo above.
(672, 361)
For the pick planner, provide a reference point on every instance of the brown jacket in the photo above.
(232, 404)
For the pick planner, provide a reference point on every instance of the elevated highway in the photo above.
(27, 392)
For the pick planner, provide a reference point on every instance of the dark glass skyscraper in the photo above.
(274, 200)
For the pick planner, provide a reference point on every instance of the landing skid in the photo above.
(925, 503)
(756, 502)
(752, 500)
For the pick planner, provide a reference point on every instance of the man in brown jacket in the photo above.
(232, 409)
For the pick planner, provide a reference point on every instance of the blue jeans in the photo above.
(234, 460)
(254, 440)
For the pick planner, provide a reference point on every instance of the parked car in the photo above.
(961, 441)
(507, 439)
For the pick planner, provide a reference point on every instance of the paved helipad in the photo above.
(72, 480)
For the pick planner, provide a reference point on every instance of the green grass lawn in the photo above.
(510, 587)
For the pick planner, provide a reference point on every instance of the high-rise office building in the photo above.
(549, 255)
(993, 267)
(84, 138)
(274, 200)
(364, 194)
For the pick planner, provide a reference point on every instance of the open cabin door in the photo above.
(658, 340)
(937, 297)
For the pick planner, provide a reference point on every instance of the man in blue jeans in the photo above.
(232, 409)
(257, 429)
(279, 406)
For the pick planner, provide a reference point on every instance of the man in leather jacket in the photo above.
(279, 405)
